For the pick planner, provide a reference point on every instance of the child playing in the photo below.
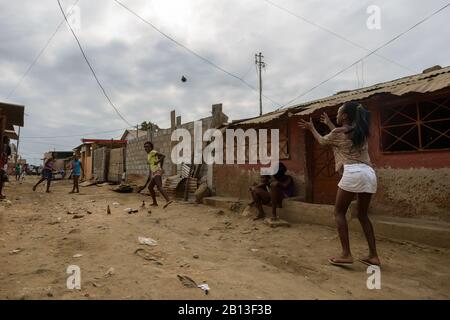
(47, 174)
(155, 161)
(77, 170)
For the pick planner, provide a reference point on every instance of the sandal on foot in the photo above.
(339, 263)
(167, 204)
(368, 263)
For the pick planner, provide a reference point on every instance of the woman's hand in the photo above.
(307, 125)
(324, 118)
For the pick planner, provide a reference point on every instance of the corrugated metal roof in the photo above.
(420, 83)
(261, 119)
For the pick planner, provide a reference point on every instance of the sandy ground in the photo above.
(237, 257)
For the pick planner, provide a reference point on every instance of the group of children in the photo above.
(48, 171)
(155, 162)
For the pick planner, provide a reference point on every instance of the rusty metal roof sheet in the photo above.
(420, 83)
(429, 81)
(265, 118)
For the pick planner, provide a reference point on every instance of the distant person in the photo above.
(47, 174)
(156, 162)
(5, 153)
(349, 143)
(77, 172)
(17, 171)
(272, 192)
(24, 171)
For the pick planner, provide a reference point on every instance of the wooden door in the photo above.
(325, 179)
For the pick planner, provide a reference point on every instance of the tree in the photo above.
(148, 125)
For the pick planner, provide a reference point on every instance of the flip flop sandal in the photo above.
(167, 204)
(342, 264)
(367, 263)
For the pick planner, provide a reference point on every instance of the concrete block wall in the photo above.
(116, 164)
(136, 157)
(100, 163)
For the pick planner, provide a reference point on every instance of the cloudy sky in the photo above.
(141, 70)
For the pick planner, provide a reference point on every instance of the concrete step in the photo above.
(434, 233)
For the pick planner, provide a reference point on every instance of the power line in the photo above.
(38, 56)
(335, 34)
(78, 135)
(91, 68)
(367, 55)
(192, 51)
(48, 144)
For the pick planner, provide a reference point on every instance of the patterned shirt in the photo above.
(344, 152)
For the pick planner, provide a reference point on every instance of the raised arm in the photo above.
(324, 118)
(309, 125)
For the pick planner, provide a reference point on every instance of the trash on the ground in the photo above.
(249, 211)
(187, 282)
(88, 183)
(78, 216)
(219, 212)
(103, 184)
(204, 286)
(78, 255)
(276, 223)
(146, 255)
(202, 192)
(123, 188)
(147, 241)
(6, 201)
(115, 204)
(97, 285)
(254, 250)
(15, 251)
(110, 272)
(130, 210)
(108, 210)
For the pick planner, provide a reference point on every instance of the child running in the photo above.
(47, 174)
(349, 143)
(77, 170)
(156, 162)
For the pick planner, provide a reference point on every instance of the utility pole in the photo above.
(260, 64)
(17, 151)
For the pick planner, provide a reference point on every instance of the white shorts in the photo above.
(358, 178)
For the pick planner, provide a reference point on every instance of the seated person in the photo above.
(272, 192)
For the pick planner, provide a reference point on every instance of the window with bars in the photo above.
(416, 126)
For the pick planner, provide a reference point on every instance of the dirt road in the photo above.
(237, 257)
